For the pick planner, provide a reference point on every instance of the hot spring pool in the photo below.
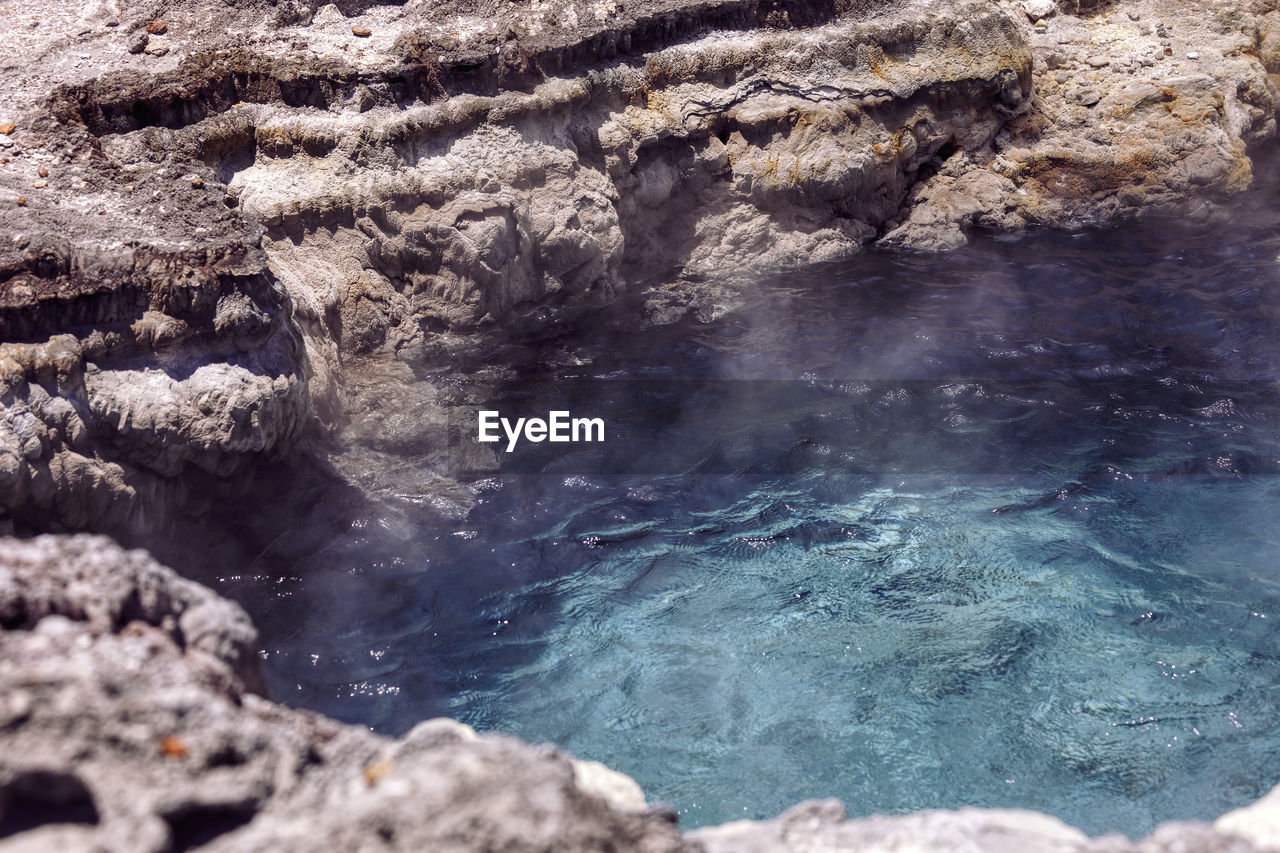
(997, 528)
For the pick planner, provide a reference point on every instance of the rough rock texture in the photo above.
(821, 826)
(216, 212)
(729, 153)
(183, 367)
(88, 580)
(1138, 108)
(127, 724)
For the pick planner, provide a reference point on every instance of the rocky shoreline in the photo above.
(233, 236)
(129, 722)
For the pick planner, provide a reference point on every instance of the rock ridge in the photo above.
(252, 215)
(230, 228)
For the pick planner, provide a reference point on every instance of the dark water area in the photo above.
(995, 528)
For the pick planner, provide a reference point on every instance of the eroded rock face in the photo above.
(447, 172)
(220, 219)
(727, 155)
(129, 379)
(1139, 108)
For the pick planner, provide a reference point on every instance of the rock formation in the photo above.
(232, 228)
(126, 725)
(217, 218)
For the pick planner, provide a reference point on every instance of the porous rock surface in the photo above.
(128, 723)
(1137, 107)
(218, 214)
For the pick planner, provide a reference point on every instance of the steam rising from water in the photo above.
(1080, 619)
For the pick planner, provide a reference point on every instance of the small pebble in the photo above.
(172, 747)
(7, 128)
(40, 184)
(1168, 51)
(1134, 16)
(157, 28)
(112, 22)
(1062, 76)
(363, 32)
(139, 43)
(1099, 61)
(156, 49)
(22, 201)
(42, 172)
(197, 182)
(1193, 55)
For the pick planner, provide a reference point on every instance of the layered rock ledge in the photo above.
(128, 722)
(213, 229)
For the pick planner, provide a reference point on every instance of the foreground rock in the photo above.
(822, 826)
(127, 723)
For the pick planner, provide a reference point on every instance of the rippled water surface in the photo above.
(997, 528)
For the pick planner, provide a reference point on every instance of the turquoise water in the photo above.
(997, 528)
(1108, 657)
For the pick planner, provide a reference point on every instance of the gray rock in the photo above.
(90, 580)
(124, 726)
(720, 145)
(821, 826)
(1037, 9)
